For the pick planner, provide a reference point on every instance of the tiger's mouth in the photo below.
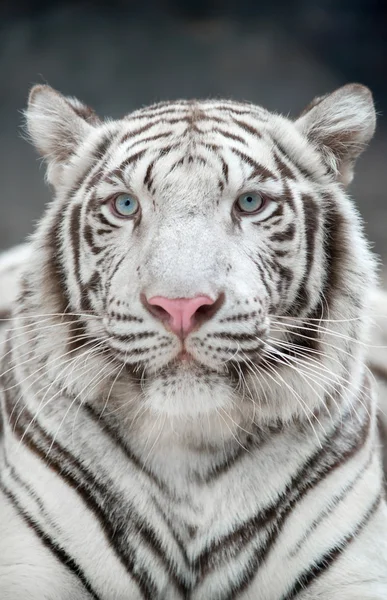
(184, 356)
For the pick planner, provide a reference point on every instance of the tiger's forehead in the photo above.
(188, 143)
(195, 122)
(191, 111)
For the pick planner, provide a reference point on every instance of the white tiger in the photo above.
(186, 407)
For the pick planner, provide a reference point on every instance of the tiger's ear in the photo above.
(340, 125)
(56, 126)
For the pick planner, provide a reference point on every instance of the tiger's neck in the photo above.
(88, 434)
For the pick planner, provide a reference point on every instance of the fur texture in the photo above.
(241, 461)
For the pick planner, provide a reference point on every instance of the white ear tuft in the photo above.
(57, 125)
(340, 125)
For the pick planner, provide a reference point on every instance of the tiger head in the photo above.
(200, 243)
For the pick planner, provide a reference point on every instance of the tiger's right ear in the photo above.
(57, 125)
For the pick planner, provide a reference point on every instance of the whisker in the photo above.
(41, 407)
(46, 315)
(300, 401)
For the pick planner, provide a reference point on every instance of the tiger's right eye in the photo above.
(125, 205)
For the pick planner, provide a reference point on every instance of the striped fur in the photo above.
(250, 469)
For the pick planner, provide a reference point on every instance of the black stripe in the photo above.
(379, 371)
(60, 554)
(96, 496)
(132, 159)
(283, 168)
(27, 488)
(334, 502)
(311, 225)
(229, 135)
(241, 337)
(224, 169)
(315, 469)
(151, 138)
(309, 576)
(230, 108)
(75, 226)
(258, 170)
(135, 132)
(285, 235)
(148, 181)
(253, 441)
(300, 168)
(100, 150)
(103, 220)
(247, 127)
(337, 251)
(100, 497)
(155, 113)
(114, 436)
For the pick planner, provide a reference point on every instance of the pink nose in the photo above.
(182, 315)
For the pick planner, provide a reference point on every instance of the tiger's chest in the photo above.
(113, 525)
(234, 535)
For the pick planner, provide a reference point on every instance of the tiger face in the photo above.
(183, 233)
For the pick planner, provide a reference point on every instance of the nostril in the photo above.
(207, 311)
(159, 312)
(155, 309)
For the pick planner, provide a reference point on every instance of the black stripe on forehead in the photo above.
(258, 170)
(247, 127)
(162, 115)
(151, 138)
(283, 168)
(131, 134)
(193, 111)
(193, 117)
(99, 152)
(131, 160)
(240, 112)
(284, 157)
(228, 134)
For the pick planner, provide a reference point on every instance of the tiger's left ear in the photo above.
(340, 125)
(56, 125)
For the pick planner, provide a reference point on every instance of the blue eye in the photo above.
(250, 203)
(125, 205)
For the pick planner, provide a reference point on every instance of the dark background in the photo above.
(117, 56)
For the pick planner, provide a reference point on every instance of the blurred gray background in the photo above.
(117, 56)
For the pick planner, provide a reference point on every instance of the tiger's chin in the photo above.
(187, 388)
(187, 398)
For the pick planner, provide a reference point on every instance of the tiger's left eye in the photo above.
(125, 205)
(250, 203)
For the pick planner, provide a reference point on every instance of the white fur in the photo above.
(173, 422)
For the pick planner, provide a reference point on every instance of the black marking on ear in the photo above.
(84, 111)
